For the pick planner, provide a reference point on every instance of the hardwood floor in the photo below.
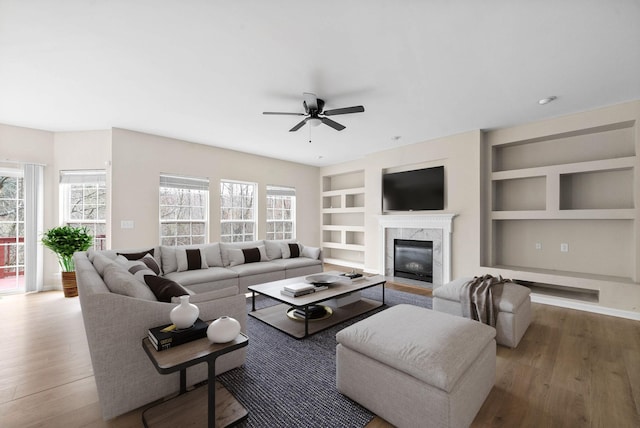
(572, 369)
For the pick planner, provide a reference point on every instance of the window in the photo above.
(84, 202)
(281, 212)
(237, 211)
(184, 212)
(11, 229)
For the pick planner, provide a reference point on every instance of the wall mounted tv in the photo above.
(416, 190)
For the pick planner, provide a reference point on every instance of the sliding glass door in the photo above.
(11, 230)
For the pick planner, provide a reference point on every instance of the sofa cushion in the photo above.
(225, 247)
(274, 247)
(239, 256)
(190, 259)
(248, 269)
(191, 277)
(208, 295)
(310, 252)
(163, 288)
(101, 261)
(137, 268)
(119, 281)
(296, 262)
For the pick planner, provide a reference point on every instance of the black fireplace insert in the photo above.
(413, 259)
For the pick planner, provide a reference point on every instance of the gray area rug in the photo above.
(292, 383)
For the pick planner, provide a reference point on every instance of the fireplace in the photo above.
(437, 228)
(413, 259)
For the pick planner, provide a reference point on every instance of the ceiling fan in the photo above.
(313, 107)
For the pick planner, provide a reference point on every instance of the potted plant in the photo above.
(64, 241)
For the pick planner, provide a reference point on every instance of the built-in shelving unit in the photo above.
(574, 190)
(343, 219)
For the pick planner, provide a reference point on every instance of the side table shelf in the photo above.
(214, 403)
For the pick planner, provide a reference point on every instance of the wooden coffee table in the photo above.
(276, 316)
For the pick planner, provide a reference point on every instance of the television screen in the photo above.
(420, 189)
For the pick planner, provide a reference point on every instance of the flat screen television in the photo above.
(416, 190)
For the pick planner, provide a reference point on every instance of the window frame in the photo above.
(88, 180)
(281, 193)
(197, 188)
(246, 236)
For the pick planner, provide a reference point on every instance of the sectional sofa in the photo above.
(123, 293)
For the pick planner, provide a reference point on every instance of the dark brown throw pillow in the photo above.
(194, 259)
(251, 255)
(295, 250)
(164, 289)
(136, 256)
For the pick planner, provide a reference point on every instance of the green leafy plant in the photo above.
(66, 240)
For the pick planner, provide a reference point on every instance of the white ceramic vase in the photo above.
(185, 314)
(223, 330)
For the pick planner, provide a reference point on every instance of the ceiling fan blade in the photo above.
(278, 112)
(310, 100)
(331, 123)
(345, 110)
(298, 126)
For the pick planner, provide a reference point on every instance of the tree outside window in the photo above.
(84, 202)
(184, 210)
(11, 223)
(237, 211)
(281, 212)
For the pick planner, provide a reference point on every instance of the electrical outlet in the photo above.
(564, 248)
(538, 246)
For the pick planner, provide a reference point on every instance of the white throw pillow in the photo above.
(237, 256)
(310, 252)
(286, 249)
(119, 281)
(190, 259)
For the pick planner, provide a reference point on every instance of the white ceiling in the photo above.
(205, 70)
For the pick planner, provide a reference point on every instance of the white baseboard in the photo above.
(580, 306)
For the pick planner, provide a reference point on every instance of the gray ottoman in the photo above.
(415, 367)
(513, 303)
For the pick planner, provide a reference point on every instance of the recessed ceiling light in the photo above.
(547, 100)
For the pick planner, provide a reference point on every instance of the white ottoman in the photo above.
(415, 367)
(512, 301)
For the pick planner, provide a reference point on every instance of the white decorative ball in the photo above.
(223, 330)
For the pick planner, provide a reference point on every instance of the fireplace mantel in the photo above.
(443, 222)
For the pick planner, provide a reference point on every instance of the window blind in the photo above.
(183, 182)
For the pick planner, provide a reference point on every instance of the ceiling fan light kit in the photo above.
(313, 107)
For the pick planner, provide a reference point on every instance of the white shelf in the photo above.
(352, 191)
(342, 210)
(569, 185)
(610, 214)
(569, 168)
(340, 246)
(343, 197)
(342, 228)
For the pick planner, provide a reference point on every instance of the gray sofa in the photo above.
(118, 309)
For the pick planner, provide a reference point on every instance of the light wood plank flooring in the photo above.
(572, 369)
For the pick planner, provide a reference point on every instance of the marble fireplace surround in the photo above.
(422, 227)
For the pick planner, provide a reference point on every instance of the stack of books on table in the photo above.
(167, 336)
(301, 289)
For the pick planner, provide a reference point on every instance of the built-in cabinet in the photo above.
(563, 205)
(343, 219)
